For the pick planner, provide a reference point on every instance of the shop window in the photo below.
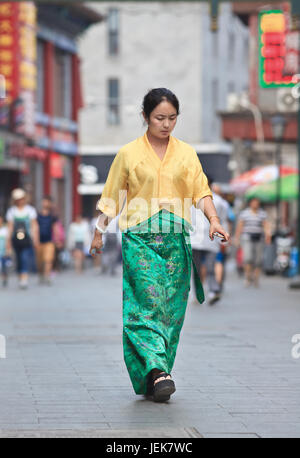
(231, 87)
(231, 46)
(215, 93)
(215, 44)
(113, 31)
(62, 103)
(113, 116)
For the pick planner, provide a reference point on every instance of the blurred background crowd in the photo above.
(35, 240)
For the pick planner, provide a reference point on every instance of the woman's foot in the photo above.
(161, 386)
(157, 379)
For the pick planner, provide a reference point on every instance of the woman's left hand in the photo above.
(215, 226)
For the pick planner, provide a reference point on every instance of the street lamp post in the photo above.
(295, 283)
(249, 153)
(278, 125)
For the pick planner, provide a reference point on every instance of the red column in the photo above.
(15, 91)
(48, 94)
(76, 97)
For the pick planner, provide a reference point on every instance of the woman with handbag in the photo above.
(163, 177)
(23, 233)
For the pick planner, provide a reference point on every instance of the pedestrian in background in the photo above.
(151, 172)
(252, 232)
(79, 241)
(59, 239)
(221, 258)
(46, 249)
(204, 249)
(97, 260)
(23, 233)
(111, 249)
(3, 254)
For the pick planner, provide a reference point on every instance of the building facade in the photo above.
(40, 140)
(145, 45)
(247, 121)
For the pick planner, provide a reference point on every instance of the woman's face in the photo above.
(162, 120)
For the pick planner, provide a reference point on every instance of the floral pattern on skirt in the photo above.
(156, 285)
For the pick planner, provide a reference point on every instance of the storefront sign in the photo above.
(56, 165)
(88, 174)
(18, 59)
(4, 114)
(278, 49)
(26, 152)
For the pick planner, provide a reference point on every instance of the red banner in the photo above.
(56, 165)
(18, 69)
(9, 49)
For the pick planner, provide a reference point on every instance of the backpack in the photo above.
(20, 238)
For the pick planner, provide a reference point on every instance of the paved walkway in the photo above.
(64, 373)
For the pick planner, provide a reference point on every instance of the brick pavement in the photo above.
(64, 373)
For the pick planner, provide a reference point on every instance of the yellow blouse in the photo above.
(141, 184)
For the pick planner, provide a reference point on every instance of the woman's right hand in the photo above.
(96, 244)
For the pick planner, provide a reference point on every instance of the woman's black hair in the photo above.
(155, 96)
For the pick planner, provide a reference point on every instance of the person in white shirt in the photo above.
(79, 239)
(3, 257)
(112, 244)
(222, 254)
(204, 249)
(23, 233)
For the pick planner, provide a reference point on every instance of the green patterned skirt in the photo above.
(157, 258)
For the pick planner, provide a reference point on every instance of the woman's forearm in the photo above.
(207, 206)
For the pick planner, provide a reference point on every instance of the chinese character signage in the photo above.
(27, 46)
(8, 49)
(18, 58)
(278, 49)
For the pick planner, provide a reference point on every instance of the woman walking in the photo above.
(160, 177)
(23, 233)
